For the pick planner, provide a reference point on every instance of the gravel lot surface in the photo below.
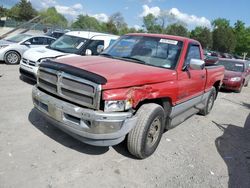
(212, 151)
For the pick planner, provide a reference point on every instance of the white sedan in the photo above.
(12, 48)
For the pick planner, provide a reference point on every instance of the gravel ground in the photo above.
(212, 151)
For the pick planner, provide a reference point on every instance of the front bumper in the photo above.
(231, 85)
(28, 70)
(1, 56)
(89, 126)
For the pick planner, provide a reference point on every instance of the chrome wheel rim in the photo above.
(12, 58)
(154, 132)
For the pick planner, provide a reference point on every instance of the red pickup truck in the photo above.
(140, 86)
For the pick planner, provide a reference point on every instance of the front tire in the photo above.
(12, 57)
(240, 89)
(209, 103)
(144, 138)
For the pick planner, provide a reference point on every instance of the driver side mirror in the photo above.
(100, 48)
(197, 64)
(88, 52)
(27, 43)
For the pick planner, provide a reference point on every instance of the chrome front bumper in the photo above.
(89, 126)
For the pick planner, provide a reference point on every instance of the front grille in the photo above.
(29, 62)
(70, 87)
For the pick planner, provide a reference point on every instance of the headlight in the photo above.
(117, 106)
(42, 60)
(3, 46)
(235, 79)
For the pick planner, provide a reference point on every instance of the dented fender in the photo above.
(135, 94)
(140, 93)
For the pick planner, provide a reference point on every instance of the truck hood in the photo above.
(34, 54)
(231, 74)
(119, 73)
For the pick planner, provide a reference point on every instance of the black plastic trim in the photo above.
(27, 74)
(74, 71)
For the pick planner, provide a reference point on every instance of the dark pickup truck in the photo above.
(140, 86)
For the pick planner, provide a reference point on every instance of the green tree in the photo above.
(177, 29)
(117, 23)
(51, 16)
(22, 11)
(224, 39)
(203, 35)
(3, 11)
(221, 22)
(111, 28)
(248, 41)
(88, 23)
(242, 38)
(150, 23)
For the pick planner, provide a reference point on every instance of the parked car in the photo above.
(56, 34)
(12, 48)
(74, 42)
(138, 87)
(237, 73)
(210, 60)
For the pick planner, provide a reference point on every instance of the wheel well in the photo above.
(12, 51)
(165, 103)
(217, 87)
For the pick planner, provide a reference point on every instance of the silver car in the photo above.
(12, 48)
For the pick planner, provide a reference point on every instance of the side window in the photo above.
(111, 41)
(37, 41)
(49, 40)
(93, 46)
(193, 53)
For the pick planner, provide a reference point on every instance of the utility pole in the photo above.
(244, 55)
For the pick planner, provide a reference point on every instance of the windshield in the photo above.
(17, 38)
(152, 51)
(232, 65)
(68, 44)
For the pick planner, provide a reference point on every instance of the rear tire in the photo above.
(209, 103)
(144, 138)
(12, 58)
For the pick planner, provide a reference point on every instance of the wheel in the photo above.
(240, 89)
(144, 138)
(209, 103)
(12, 57)
(246, 84)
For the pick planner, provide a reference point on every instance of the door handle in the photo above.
(202, 76)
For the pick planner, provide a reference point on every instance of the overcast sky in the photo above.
(191, 12)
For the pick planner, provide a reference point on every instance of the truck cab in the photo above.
(74, 42)
(138, 87)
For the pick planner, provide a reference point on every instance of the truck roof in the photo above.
(89, 34)
(173, 37)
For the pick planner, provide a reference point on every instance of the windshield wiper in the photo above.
(134, 59)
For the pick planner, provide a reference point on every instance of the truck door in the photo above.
(191, 82)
